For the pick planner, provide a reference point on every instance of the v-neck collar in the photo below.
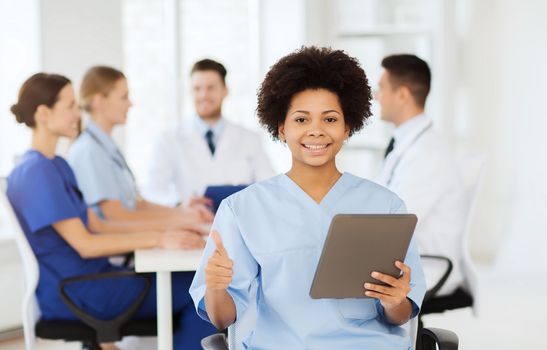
(333, 193)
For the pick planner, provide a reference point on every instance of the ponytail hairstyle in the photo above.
(39, 89)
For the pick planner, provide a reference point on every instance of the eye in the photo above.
(300, 120)
(331, 119)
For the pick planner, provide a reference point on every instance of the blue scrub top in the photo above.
(42, 192)
(101, 169)
(274, 232)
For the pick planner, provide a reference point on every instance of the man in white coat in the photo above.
(420, 167)
(208, 150)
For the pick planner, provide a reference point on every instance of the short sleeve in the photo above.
(245, 266)
(40, 196)
(94, 174)
(412, 259)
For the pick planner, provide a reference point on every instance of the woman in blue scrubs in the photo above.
(68, 239)
(272, 233)
(104, 176)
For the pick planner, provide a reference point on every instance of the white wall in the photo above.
(19, 58)
(502, 55)
(78, 34)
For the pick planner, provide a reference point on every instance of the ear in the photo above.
(42, 114)
(346, 132)
(281, 132)
(404, 93)
(97, 102)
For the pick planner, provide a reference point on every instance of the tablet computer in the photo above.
(356, 245)
(218, 193)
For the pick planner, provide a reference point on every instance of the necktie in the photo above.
(389, 147)
(210, 142)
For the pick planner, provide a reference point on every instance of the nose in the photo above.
(316, 129)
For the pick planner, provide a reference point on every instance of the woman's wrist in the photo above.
(399, 314)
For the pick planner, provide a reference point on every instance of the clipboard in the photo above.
(218, 193)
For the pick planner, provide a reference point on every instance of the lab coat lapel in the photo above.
(226, 143)
(401, 147)
(191, 139)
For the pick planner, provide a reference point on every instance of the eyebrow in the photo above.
(324, 112)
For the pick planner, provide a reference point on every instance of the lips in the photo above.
(315, 147)
(314, 150)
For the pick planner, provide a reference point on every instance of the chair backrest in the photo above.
(31, 312)
(472, 167)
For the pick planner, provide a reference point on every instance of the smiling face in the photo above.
(208, 91)
(314, 128)
(61, 119)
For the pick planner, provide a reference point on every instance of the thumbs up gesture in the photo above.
(219, 271)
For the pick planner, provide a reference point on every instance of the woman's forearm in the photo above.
(400, 314)
(146, 205)
(118, 226)
(108, 244)
(97, 224)
(220, 308)
(156, 219)
(115, 211)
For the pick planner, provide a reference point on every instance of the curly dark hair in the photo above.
(314, 68)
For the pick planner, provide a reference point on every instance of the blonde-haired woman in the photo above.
(106, 180)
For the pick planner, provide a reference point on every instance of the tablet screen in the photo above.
(356, 245)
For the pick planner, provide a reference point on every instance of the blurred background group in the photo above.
(487, 59)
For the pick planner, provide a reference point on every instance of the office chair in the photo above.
(466, 295)
(89, 330)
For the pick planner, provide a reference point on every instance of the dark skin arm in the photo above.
(393, 297)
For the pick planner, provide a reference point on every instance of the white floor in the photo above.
(18, 344)
(147, 343)
(513, 315)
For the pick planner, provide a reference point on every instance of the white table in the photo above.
(162, 263)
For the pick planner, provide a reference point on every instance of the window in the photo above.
(19, 58)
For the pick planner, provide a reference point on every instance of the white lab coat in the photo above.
(182, 165)
(422, 170)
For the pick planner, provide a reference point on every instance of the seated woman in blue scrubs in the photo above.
(271, 234)
(107, 183)
(66, 236)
